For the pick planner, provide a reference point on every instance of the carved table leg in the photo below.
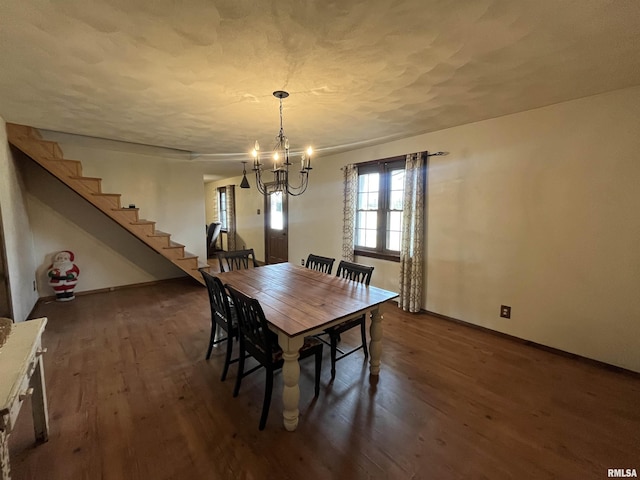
(291, 377)
(375, 346)
(39, 408)
(5, 470)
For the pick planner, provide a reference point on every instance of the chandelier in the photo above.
(281, 164)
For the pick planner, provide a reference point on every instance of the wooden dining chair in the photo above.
(262, 344)
(223, 316)
(237, 260)
(357, 273)
(321, 264)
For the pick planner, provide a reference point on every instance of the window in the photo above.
(222, 207)
(277, 217)
(379, 208)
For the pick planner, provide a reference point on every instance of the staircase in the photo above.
(49, 155)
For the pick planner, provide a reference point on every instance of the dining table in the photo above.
(298, 302)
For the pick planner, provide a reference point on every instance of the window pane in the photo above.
(277, 219)
(395, 221)
(222, 209)
(369, 182)
(397, 197)
(397, 180)
(366, 228)
(393, 241)
(394, 230)
(372, 201)
(370, 238)
(362, 200)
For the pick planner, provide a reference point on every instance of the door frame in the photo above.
(5, 286)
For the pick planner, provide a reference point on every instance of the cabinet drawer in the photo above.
(14, 410)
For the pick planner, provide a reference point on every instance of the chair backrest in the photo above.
(354, 271)
(255, 336)
(237, 260)
(220, 308)
(213, 230)
(321, 264)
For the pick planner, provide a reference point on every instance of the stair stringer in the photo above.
(50, 156)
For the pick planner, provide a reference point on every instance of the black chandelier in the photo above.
(281, 163)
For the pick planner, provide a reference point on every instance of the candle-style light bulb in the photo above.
(309, 152)
(257, 146)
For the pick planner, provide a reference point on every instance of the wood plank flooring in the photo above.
(131, 397)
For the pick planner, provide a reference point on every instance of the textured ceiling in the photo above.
(197, 75)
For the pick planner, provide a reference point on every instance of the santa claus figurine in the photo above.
(63, 275)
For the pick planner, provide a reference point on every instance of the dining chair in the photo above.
(213, 231)
(262, 344)
(237, 260)
(357, 273)
(321, 264)
(223, 316)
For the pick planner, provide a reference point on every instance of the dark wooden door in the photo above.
(276, 228)
(5, 298)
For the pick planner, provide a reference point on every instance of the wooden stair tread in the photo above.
(173, 244)
(77, 177)
(50, 156)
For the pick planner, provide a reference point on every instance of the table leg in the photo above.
(5, 470)
(375, 346)
(39, 408)
(291, 376)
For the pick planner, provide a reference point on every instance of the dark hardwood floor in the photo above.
(131, 397)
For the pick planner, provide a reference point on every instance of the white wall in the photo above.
(536, 210)
(166, 187)
(21, 265)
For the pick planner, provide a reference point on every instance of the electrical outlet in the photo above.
(505, 311)
(302, 262)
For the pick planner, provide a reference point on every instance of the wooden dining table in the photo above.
(299, 302)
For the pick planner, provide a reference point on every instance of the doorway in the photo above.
(276, 221)
(5, 298)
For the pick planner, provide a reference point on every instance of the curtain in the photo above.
(349, 210)
(231, 217)
(412, 248)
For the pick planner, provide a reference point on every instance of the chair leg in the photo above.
(212, 339)
(318, 370)
(334, 349)
(227, 358)
(268, 389)
(236, 389)
(363, 331)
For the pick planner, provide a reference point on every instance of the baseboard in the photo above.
(52, 298)
(540, 346)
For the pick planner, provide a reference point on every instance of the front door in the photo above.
(276, 226)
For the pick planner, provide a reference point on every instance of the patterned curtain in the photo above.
(231, 217)
(349, 210)
(412, 248)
